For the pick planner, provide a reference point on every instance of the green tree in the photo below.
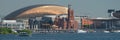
(4, 30)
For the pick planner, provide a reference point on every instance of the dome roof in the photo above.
(37, 11)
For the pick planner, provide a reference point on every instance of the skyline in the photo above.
(91, 8)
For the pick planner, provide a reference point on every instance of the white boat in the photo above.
(81, 31)
(106, 31)
(23, 34)
(117, 31)
(14, 30)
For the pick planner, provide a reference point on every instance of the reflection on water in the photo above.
(64, 36)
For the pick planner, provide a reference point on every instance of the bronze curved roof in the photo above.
(37, 10)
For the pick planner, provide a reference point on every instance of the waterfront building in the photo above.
(71, 23)
(37, 12)
(116, 14)
(105, 23)
(13, 24)
(38, 17)
(68, 22)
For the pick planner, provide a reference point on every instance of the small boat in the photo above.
(81, 31)
(91, 31)
(117, 31)
(106, 31)
(23, 34)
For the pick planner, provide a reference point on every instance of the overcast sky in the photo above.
(91, 8)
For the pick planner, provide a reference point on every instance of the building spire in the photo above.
(69, 6)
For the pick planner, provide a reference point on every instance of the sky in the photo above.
(91, 8)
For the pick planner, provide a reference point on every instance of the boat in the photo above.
(105, 31)
(91, 31)
(117, 31)
(81, 31)
(23, 34)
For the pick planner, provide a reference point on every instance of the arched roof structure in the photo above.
(37, 11)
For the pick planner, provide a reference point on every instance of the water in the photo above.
(64, 36)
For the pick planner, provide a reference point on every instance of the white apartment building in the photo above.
(13, 24)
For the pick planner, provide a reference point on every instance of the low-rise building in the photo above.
(13, 24)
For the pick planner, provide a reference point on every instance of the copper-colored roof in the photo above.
(38, 10)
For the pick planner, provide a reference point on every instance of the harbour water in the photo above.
(64, 36)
